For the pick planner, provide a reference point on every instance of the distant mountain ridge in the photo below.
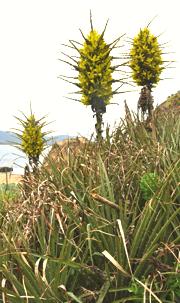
(9, 138)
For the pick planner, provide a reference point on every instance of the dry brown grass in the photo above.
(61, 150)
(12, 178)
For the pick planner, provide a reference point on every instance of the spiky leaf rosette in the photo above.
(95, 73)
(146, 59)
(32, 137)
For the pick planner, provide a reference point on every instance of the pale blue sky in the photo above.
(31, 33)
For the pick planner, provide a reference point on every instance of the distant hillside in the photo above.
(9, 138)
(171, 103)
(52, 140)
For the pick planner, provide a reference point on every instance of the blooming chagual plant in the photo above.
(32, 138)
(147, 65)
(95, 69)
(146, 59)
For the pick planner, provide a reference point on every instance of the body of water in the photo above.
(12, 157)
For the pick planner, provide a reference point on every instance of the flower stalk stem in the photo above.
(145, 102)
(98, 126)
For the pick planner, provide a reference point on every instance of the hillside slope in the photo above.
(171, 103)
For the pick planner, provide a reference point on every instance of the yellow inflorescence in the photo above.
(95, 69)
(145, 59)
(32, 138)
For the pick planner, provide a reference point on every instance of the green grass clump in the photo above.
(8, 192)
(86, 234)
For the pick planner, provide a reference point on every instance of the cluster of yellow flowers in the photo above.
(145, 59)
(32, 138)
(95, 73)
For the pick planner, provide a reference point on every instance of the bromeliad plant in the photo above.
(32, 138)
(95, 69)
(149, 183)
(147, 65)
(85, 234)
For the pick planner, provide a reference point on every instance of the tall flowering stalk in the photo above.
(95, 69)
(95, 76)
(146, 64)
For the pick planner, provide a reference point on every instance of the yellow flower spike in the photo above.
(32, 138)
(146, 59)
(147, 65)
(93, 76)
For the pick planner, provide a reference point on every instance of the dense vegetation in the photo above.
(98, 221)
(102, 225)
